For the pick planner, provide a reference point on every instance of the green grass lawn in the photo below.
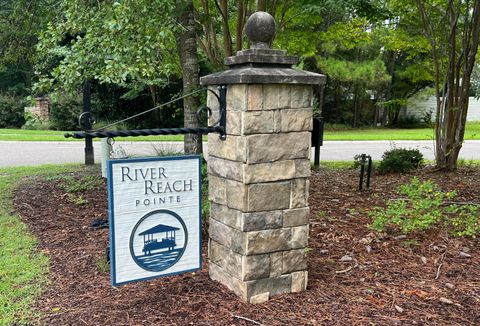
(23, 270)
(55, 135)
(472, 133)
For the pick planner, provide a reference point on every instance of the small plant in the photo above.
(72, 185)
(422, 207)
(400, 160)
(103, 265)
(322, 214)
(77, 200)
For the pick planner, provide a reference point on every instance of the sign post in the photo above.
(155, 217)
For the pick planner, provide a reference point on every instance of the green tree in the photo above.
(452, 28)
(351, 56)
(106, 41)
(20, 23)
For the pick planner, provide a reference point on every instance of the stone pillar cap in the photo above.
(260, 64)
(260, 30)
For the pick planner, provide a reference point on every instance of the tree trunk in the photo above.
(451, 90)
(261, 5)
(187, 47)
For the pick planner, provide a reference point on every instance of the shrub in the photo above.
(409, 121)
(423, 206)
(11, 111)
(32, 122)
(65, 110)
(400, 160)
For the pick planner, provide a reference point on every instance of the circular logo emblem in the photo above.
(158, 240)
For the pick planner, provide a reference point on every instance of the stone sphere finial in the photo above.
(260, 30)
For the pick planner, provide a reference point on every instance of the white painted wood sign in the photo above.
(155, 217)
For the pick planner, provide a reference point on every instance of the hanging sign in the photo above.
(155, 217)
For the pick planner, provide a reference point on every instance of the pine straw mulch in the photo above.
(419, 280)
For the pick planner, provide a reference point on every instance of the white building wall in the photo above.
(419, 108)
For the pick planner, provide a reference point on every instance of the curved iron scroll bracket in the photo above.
(222, 108)
(218, 127)
(84, 117)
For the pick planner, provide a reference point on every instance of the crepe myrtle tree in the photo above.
(452, 28)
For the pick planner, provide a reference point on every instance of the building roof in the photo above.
(158, 229)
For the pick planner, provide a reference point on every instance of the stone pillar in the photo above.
(258, 175)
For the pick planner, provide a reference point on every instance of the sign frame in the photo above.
(111, 214)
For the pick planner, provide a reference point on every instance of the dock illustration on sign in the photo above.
(158, 247)
(151, 243)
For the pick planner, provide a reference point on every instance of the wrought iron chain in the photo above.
(145, 132)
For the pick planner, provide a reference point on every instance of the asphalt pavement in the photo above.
(24, 153)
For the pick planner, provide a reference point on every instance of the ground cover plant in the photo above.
(356, 276)
(22, 267)
(424, 205)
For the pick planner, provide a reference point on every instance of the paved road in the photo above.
(37, 153)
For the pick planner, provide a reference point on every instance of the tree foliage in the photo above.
(106, 41)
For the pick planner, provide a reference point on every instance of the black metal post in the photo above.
(223, 110)
(317, 139)
(87, 110)
(362, 171)
(369, 171)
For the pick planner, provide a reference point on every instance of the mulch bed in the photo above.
(384, 272)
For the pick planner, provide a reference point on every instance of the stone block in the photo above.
(277, 121)
(260, 298)
(295, 120)
(237, 97)
(276, 264)
(255, 267)
(271, 96)
(299, 196)
(232, 148)
(227, 236)
(299, 281)
(267, 241)
(273, 285)
(236, 195)
(294, 260)
(275, 171)
(301, 96)
(255, 97)
(261, 221)
(284, 96)
(257, 122)
(225, 215)
(302, 169)
(268, 196)
(274, 147)
(226, 169)
(228, 260)
(295, 217)
(216, 273)
(221, 233)
(299, 237)
(234, 123)
(217, 192)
